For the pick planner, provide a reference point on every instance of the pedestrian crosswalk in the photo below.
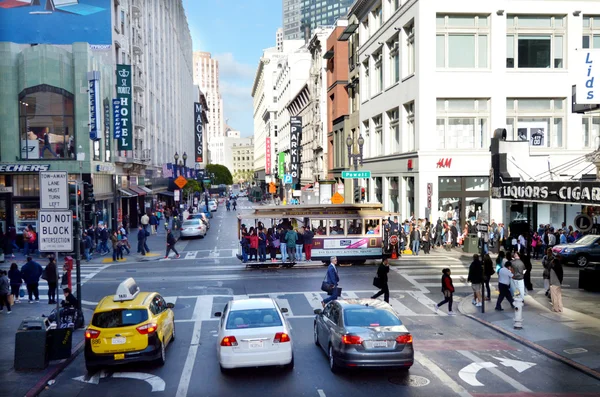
(427, 278)
(299, 304)
(206, 254)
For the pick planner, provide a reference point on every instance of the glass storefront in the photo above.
(410, 196)
(394, 194)
(26, 214)
(463, 199)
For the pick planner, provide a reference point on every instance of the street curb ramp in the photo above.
(528, 343)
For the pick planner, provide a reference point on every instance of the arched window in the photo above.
(46, 123)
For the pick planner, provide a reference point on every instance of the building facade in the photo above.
(497, 64)
(242, 152)
(302, 17)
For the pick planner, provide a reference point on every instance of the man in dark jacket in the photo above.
(70, 300)
(476, 278)
(308, 242)
(104, 240)
(87, 246)
(382, 275)
(171, 244)
(52, 279)
(141, 236)
(31, 272)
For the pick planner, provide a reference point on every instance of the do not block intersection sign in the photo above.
(55, 231)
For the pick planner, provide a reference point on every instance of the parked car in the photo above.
(203, 216)
(193, 228)
(254, 333)
(581, 252)
(362, 333)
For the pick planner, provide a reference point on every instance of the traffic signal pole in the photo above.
(77, 240)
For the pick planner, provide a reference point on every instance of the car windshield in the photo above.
(255, 318)
(370, 317)
(119, 318)
(585, 240)
(191, 222)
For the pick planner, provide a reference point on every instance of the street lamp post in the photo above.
(354, 158)
(184, 157)
(176, 157)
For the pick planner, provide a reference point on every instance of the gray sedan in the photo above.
(362, 333)
(193, 228)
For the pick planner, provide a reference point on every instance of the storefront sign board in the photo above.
(54, 190)
(281, 165)
(198, 133)
(576, 192)
(588, 77)
(94, 100)
(55, 231)
(295, 148)
(268, 156)
(24, 167)
(125, 96)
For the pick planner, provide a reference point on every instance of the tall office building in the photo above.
(301, 17)
(206, 75)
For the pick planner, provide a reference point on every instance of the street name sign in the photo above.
(55, 231)
(54, 190)
(356, 174)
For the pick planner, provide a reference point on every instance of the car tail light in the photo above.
(91, 334)
(352, 340)
(200, 228)
(404, 339)
(147, 329)
(281, 337)
(229, 341)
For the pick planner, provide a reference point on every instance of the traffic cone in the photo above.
(394, 254)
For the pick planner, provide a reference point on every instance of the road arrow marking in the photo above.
(516, 364)
(469, 373)
(94, 379)
(154, 381)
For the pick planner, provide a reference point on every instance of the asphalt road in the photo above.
(455, 355)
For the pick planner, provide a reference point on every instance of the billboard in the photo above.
(198, 133)
(295, 148)
(56, 21)
(124, 96)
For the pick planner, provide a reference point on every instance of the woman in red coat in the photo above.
(253, 237)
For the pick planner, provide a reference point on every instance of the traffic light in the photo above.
(74, 197)
(362, 194)
(88, 193)
(356, 194)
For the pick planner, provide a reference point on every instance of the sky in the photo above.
(235, 32)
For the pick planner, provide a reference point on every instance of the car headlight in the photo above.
(568, 250)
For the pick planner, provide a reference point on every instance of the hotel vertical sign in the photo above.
(124, 96)
(198, 133)
(295, 148)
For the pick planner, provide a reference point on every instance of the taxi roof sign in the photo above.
(127, 290)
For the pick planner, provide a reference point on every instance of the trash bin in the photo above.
(589, 279)
(471, 244)
(31, 344)
(60, 343)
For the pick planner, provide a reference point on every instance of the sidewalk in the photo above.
(29, 383)
(572, 337)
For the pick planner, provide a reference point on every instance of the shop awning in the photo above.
(166, 193)
(144, 188)
(137, 189)
(127, 193)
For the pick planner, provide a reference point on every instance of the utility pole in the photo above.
(77, 240)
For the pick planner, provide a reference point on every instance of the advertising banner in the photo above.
(30, 149)
(106, 105)
(117, 118)
(93, 85)
(268, 156)
(281, 165)
(198, 133)
(124, 95)
(588, 77)
(295, 148)
(56, 21)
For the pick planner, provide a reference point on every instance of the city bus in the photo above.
(351, 232)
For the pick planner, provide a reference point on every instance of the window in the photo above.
(378, 142)
(370, 317)
(591, 132)
(255, 318)
(336, 226)
(394, 66)
(535, 41)
(394, 123)
(377, 17)
(46, 123)
(378, 72)
(365, 82)
(462, 41)
(355, 226)
(118, 318)
(591, 31)
(409, 58)
(409, 134)
(365, 134)
(537, 120)
(463, 123)
(318, 226)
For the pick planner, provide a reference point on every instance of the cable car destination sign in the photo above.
(580, 192)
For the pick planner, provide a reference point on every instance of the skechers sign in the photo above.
(295, 148)
(24, 167)
(587, 193)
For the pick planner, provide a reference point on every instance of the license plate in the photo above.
(379, 344)
(120, 356)
(256, 345)
(119, 340)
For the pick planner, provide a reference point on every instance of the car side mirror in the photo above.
(218, 314)
(318, 312)
(284, 310)
(170, 305)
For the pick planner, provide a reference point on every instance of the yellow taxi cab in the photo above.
(129, 326)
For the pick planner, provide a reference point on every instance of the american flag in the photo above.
(167, 170)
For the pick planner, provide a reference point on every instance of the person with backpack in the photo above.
(447, 290)
(171, 244)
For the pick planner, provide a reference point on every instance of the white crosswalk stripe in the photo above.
(87, 273)
(427, 278)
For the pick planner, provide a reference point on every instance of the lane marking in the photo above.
(156, 382)
(191, 254)
(469, 373)
(314, 300)
(496, 372)
(203, 308)
(402, 309)
(441, 375)
(188, 367)
(284, 303)
(426, 301)
(350, 295)
(321, 393)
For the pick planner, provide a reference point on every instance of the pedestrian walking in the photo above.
(103, 240)
(447, 290)
(141, 236)
(154, 223)
(526, 259)
(115, 246)
(87, 246)
(4, 292)
(332, 279)
(49, 274)
(31, 272)
(16, 280)
(476, 278)
(145, 221)
(381, 281)
(556, 278)
(488, 272)
(171, 244)
(290, 238)
(262, 245)
(505, 276)
(309, 235)
(415, 239)
(546, 261)
(500, 261)
(518, 270)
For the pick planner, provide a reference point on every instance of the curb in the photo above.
(54, 372)
(534, 346)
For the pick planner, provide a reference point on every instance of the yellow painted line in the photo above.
(151, 254)
(109, 260)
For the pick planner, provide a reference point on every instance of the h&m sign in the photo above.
(295, 148)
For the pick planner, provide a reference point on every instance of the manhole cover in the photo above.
(575, 350)
(410, 380)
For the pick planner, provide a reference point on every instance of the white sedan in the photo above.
(253, 333)
(193, 228)
(212, 205)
